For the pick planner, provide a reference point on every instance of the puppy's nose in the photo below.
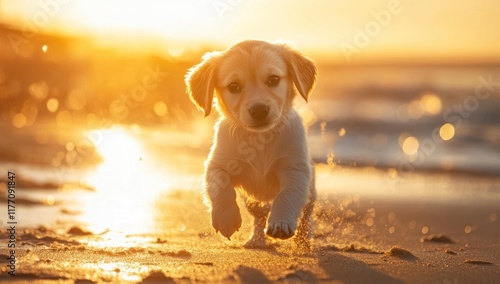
(259, 111)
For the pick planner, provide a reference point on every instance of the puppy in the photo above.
(259, 147)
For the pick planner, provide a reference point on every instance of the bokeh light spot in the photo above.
(70, 146)
(369, 222)
(410, 145)
(52, 105)
(49, 200)
(392, 173)
(342, 132)
(431, 103)
(447, 131)
(76, 100)
(160, 109)
(64, 119)
(19, 120)
(468, 229)
(39, 90)
(493, 217)
(44, 48)
(425, 230)
(30, 112)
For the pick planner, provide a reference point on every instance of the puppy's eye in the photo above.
(273, 81)
(234, 88)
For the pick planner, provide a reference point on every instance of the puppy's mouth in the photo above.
(260, 126)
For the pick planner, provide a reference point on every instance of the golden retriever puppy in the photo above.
(259, 147)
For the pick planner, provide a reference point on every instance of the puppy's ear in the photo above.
(303, 71)
(200, 82)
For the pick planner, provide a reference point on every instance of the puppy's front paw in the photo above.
(226, 221)
(281, 229)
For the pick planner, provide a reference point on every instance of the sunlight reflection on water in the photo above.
(126, 185)
(140, 167)
(125, 169)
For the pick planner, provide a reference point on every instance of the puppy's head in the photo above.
(254, 82)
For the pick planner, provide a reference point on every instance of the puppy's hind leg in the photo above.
(259, 211)
(304, 230)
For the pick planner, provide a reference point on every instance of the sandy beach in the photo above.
(358, 238)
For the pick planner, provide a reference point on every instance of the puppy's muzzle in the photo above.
(259, 112)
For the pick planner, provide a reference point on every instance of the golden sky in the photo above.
(341, 30)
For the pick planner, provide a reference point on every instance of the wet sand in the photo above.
(358, 239)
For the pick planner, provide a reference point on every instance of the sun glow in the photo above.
(123, 169)
(152, 17)
(126, 185)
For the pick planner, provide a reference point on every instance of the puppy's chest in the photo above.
(259, 178)
(258, 155)
(258, 167)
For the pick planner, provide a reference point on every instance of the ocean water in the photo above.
(408, 118)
